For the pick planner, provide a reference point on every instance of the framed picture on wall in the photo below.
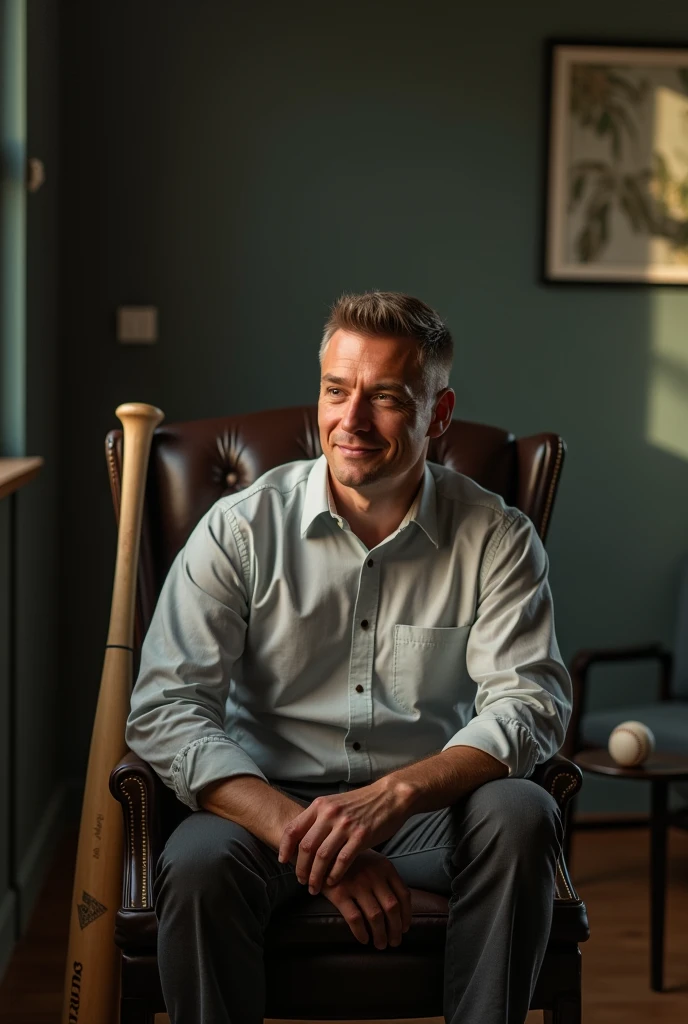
(617, 189)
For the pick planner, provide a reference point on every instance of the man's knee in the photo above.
(207, 856)
(516, 816)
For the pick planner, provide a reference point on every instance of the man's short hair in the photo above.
(395, 315)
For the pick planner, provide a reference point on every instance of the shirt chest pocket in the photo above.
(430, 668)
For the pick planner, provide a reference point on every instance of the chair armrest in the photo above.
(581, 664)
(563, 780)
(136, 786)
(560, 777)
(571, 910)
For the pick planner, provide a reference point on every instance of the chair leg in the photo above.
(566, 1010)
(135, 1011)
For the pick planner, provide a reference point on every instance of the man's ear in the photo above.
(444, 407)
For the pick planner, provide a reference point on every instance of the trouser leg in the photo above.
(494, 854)
(216, 886)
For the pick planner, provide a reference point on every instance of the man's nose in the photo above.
(357, 414)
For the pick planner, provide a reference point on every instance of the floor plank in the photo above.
(610, 870)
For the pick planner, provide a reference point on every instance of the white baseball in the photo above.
(631, 743)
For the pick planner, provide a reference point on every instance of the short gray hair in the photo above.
(395, 315)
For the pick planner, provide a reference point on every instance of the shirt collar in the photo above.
(424, 508)
(319, 500)
(315, 502)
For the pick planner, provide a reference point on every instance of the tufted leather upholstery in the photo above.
(308, 946)
(195, 463)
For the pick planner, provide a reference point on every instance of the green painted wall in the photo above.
(240, 165)
(40, 741)
(32, 742)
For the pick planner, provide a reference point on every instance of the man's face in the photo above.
(372, 412)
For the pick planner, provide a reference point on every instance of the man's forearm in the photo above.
(443, 778)
(252, 803)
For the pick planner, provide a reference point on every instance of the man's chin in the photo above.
(356, 476)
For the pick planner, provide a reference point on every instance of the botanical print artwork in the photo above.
(619, 165)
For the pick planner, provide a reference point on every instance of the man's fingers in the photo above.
(309, 846)
(375, 917)
(403, 894)
(293, 832)
(346, 855)
(351, 913)
(391, 906)
(324, 859)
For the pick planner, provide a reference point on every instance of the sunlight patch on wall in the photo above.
(667, 425)
(12, 227)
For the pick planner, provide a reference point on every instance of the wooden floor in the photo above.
(610, 870)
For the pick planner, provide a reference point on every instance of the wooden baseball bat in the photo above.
(91, 992)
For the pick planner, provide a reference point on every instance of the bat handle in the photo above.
(139, 421)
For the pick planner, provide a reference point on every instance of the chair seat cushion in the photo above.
(667, 719)
(313, 921)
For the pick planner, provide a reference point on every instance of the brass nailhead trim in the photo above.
(144, 843)
(563, 878)
(114, 482)
(553, 484)
(572, 785)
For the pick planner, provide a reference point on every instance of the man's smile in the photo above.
(357, 453)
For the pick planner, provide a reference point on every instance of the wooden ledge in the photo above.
(15, 473)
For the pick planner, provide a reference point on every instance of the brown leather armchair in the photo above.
(309, 949)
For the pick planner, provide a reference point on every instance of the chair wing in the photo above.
(194, 463)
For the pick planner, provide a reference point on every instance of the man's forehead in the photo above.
(352, 355)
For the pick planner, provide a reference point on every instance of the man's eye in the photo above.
(333, 391)
(383, 395)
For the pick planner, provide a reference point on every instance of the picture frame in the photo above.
(617, 164)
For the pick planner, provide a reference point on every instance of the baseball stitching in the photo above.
(621, 728)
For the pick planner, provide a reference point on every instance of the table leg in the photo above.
(658, 849)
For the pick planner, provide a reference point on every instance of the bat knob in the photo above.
(140, 411)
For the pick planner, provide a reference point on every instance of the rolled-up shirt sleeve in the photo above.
(177, 717)
(523, 699)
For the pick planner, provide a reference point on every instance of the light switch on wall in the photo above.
(137, 325)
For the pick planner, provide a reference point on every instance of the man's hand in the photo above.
(374, 891)
(335, 829)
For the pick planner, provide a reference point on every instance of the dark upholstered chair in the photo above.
(315, 967)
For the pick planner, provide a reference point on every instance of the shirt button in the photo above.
(370, 563)
(364, 623)
(356, 745)
(359, 688)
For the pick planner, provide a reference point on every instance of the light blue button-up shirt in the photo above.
(282, 647)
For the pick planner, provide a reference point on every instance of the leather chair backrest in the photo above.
(193, 464)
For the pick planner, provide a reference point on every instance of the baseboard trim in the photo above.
(36, 860)
(8, 910)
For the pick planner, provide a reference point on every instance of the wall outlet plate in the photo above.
(137, 325)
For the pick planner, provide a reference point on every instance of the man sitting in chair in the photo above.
(350, 674)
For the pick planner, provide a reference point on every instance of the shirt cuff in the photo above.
(207, 760)
(506, 739)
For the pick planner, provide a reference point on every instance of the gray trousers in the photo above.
(492, 853)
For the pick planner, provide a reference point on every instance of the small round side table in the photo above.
(659, 770)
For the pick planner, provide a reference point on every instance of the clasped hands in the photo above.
(327, 838)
